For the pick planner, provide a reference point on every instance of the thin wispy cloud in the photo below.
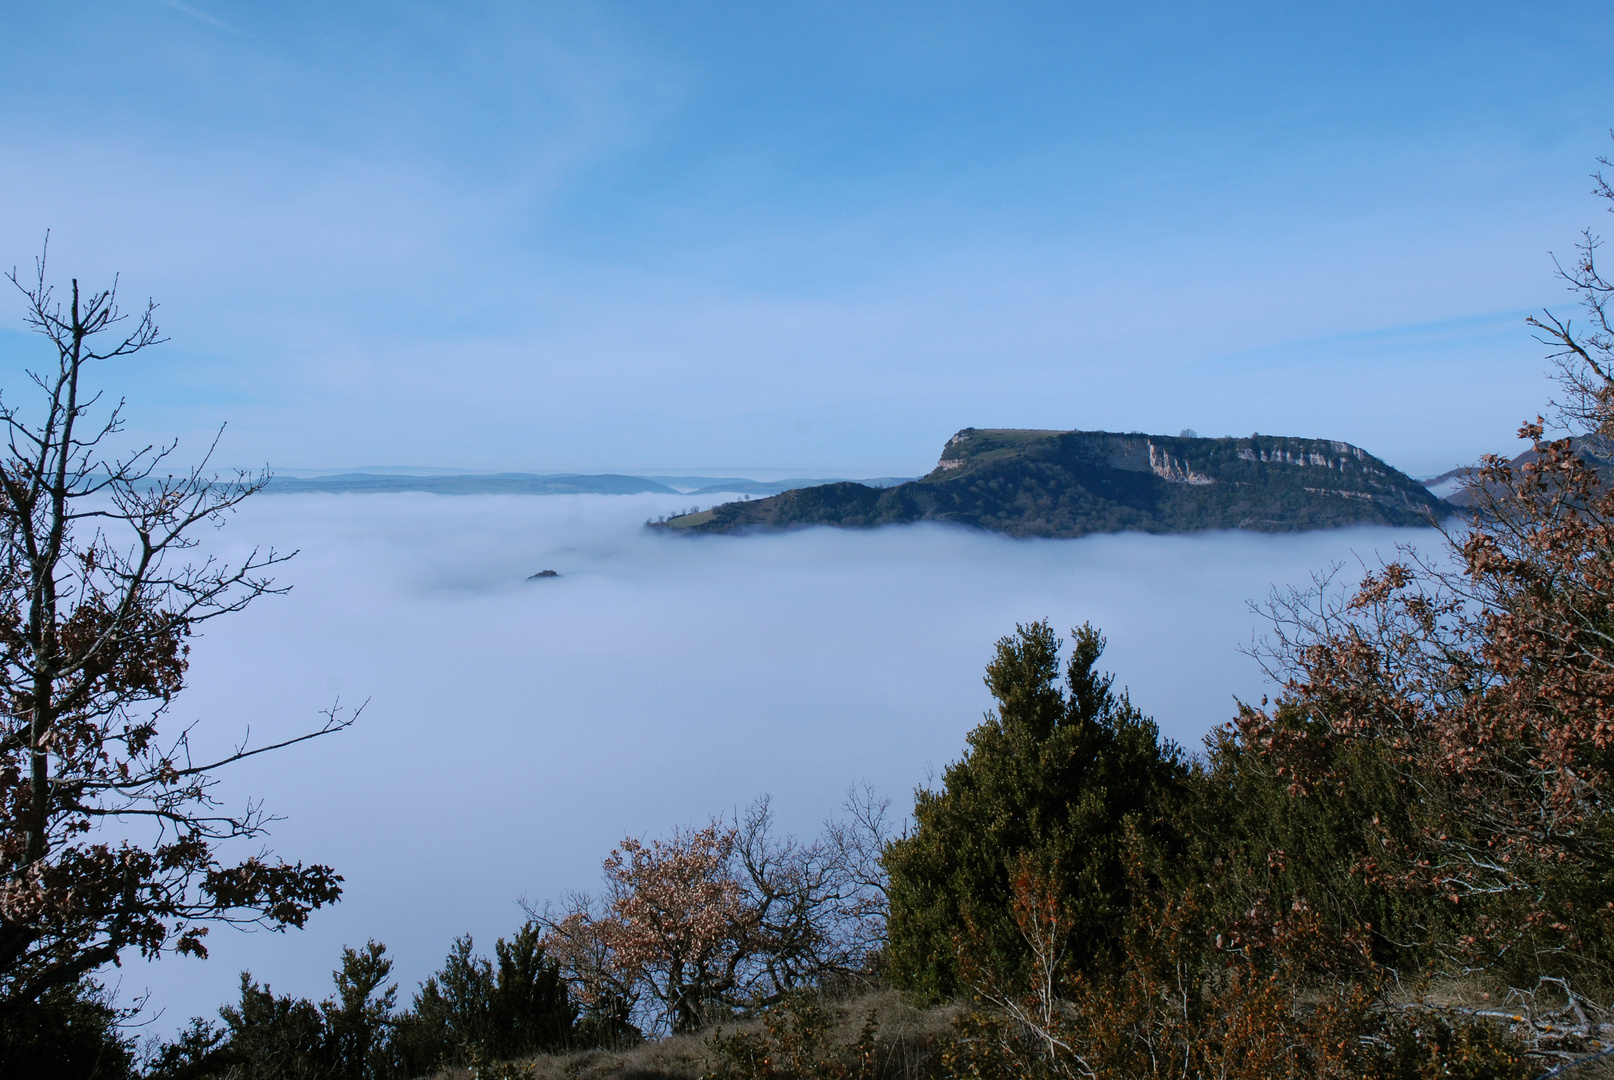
(736, 235)
(197, 13)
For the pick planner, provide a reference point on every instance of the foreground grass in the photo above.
(906, 1038)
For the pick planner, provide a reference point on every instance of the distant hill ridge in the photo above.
(494, 484)
(1458, 486)
(539, 484)
(1072, 483)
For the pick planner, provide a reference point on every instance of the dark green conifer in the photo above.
(1057, 779)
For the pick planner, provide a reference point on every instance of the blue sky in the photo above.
(806, 237)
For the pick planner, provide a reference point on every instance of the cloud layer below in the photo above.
(517, 730)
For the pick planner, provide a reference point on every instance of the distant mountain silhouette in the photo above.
(496, 484)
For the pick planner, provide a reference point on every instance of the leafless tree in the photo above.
(1585, 358)
(110, 837)
(820, 905)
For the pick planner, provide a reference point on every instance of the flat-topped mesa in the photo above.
(1166, 456)
(1071, 483)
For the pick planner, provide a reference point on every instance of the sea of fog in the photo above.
(516, 730)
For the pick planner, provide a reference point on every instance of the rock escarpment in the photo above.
(1072, 483)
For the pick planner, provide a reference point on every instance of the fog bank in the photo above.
(516, 730)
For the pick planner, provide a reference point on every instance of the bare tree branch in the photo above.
(97, 608)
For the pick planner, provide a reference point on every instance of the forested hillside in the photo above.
(1072, 483)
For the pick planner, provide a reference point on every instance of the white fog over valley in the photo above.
(516, 730)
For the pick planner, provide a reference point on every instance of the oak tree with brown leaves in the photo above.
(111, 840)
(672, 925)
(1485, 677)
(730, 916)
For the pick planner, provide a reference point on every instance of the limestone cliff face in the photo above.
(1174, 470)
(1070, 483)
